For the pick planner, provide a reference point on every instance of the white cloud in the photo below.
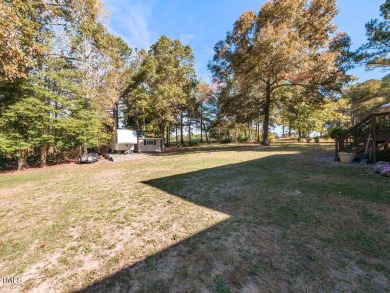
(131, 21)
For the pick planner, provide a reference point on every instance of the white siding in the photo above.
(142, 147)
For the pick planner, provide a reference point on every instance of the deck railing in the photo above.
(375, 127)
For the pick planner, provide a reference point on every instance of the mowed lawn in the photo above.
(216, 218)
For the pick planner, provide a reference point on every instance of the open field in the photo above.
(230, 218)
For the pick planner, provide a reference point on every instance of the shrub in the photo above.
(308, 139)
(316, 139)
(225, 140)
(337, 131)
(194, 142)
(242, 138)
(272, 136)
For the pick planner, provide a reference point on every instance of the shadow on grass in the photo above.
(269, 242)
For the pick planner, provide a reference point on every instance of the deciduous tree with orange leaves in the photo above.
(288, 43)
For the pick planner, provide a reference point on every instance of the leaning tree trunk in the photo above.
(267, 107)
(22, 161)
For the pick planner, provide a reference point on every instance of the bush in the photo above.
(271, 137)
(337, 131)
(225, 140)
(316, 139)
(243, 138)
(194, 143)
(308, 139)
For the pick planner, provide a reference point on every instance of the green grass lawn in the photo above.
(230, 218)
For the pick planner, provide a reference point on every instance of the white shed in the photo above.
(123, 140)
(149, 145)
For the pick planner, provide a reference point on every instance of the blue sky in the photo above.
(202, 23)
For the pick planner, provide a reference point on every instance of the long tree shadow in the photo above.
(239, 191)
(252, 250)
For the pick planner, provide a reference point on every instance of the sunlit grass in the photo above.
(233, 216)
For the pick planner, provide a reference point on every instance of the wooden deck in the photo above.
(373, 130)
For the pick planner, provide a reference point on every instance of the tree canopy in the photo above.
(376, 52)
(288, 43)
(66, 82)
(55, 56)
(162, 86)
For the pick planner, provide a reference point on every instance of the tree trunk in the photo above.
(201, 122)
(256, 131)
(43, 156)
(267, 107)
(181, 129)
(163, 134)
(177, 138)
(168, 135)
(83, 150)
(189, 131)
(289, 131)
(116, 111)
(283, 131)
(22, 161)
(250, 130)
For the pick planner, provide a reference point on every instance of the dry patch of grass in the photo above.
(211, 218)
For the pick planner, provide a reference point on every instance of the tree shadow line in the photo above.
(235, 251)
